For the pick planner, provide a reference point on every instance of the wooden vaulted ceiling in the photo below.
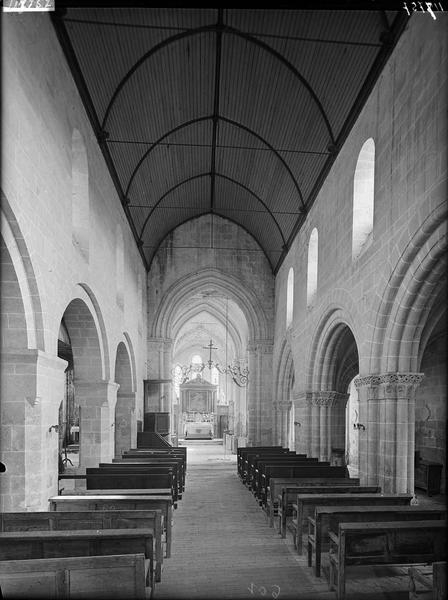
(234, 112)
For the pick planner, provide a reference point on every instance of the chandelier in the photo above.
(238, 375)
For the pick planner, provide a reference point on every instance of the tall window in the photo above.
(80, 195)
(290, 297)
(311, 287)
(363, 198)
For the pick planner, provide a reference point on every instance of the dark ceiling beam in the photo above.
(226, 120)
(218, 146)
(269, 36)
(277, 154)
(215, 117)
(157, 142)
(234, 181)
(390, 40)
(219, 29)
(75, 69)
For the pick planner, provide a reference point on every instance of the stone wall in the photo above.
(384, 296)
(55, 254)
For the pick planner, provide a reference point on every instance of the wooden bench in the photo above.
(91, 502)
(153, 457)
(241, 453)
(328, 518)
(305, 506)
(117, 576)
(252, 460)
(384, 543)
(99, 519)
(428, 583)
(24, 545)
(259, 464)
(305, 471)
(119, 481)
(247, 456)
(148, 467)
(288, 496)
(175, 451)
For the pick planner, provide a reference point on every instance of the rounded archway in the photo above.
(125, 422)
(90, 390)
(335, 364)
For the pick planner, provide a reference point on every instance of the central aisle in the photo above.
(223, 546)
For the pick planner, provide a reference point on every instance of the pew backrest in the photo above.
(117, 576)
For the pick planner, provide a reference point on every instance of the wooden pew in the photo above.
(124, 492)
(429, 582)
(24, 545)
(305, 471)
(328, 518)
(305, 506)
(241, 452)
(288, 496)
(100, 519)
(148, 467)
(259, 452)
(154, 453)
(119, 502)
(384, 543)
(117, 576)
(176, 451)
(257, 465)
(251, 459)
(150, 460)
(282, 492)
(119, 481)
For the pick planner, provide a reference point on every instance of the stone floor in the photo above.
(224, 548)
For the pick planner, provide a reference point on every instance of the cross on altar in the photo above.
(210, 347)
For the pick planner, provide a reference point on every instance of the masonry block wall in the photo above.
(60, 217)
(381, 296)
(193, 259)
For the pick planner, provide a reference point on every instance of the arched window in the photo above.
(290, 297)
(311, 287)
(363, 198)
(119, 250)
(80, 195)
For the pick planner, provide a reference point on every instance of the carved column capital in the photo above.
(326, 398)
(389, 385)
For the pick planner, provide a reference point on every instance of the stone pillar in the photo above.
(386, 446)
(125, 423)
(160, 366)
(259, 393)
(327, 410)
(97, 415)
(301, 418)
(32, 388)
(284, 409)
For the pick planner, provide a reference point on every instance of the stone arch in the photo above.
(409, 293)
(334, 363)
(21, 283)
(125, 422)
(326, 340)
(94, 393)
(201, 281)
(283, 389)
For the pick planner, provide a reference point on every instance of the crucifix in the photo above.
(210, 347)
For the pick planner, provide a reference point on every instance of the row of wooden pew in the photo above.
(107, 538)
(327, 512)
